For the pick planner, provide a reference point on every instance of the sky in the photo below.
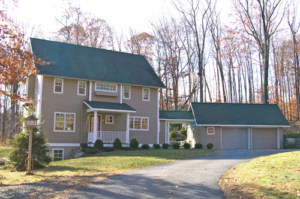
(119, 14)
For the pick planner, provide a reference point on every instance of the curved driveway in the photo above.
(192, 178)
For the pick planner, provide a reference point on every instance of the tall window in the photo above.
(146, 94)
(106, 87)
(139, 123)
(36, 85)
(81, 88)
(58, 85)
(64, 122)
(127, 92)
(57, 154)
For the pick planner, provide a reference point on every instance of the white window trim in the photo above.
(64, 122)
(113, 119)
(141, 123)
(58, 149)
(211, 133)
(106, 90)
(84, 88)
(62, 86)
(143, 94)
(37, 86)
(129, 92)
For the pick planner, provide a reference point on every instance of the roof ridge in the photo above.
(86, 46)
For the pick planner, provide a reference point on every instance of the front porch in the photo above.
(108, 121)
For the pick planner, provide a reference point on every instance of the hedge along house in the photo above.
(229, 126)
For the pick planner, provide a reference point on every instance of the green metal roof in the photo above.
(176, 115)
(238, 114)
(73, 61)
(109, 106)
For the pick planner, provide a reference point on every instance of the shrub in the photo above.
(291, 134)
(165, 146)
(209, 145)
(117, 144)
(83, 145)
(176, 145)
(198, 146)
(19, 148)
(182, 131)
(186, 145)
(172, 134)
(145, 146)
(91, 151)
(134, 143)
(156, 146)
(98, 144)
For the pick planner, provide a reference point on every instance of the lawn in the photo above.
(3, 151)
(103, 164)
(274, 176)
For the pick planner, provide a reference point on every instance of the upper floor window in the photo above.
(210, 130)
(127, 92)
(58, 85)
(106, 87)
(36, 85)
(64, 122)
(146, 94)
(139, 123)
(81, 90)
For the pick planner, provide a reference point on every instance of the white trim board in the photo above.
(177, 120)
(64, 144)
(110, 110)
(231, 125)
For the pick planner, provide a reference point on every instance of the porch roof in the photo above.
(109, 107)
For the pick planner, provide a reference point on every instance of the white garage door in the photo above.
(234, 138)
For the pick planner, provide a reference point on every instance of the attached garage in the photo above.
(234, 138)
(264, 138)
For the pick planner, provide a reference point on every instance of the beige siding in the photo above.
(31, 86)
(146, 109)
(264, 138)
(69, 102)
(162, 132)
(235, 138)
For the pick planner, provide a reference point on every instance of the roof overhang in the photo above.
(176, 120)
(233, 125)
(91, 109)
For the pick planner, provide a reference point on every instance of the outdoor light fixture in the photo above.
(31, 121)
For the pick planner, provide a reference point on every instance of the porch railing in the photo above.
(108, 136)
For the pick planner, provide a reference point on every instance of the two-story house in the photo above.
(87, 94)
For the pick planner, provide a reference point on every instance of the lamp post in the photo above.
(31, 123)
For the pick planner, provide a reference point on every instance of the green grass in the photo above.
(108, 163)
(274, 176)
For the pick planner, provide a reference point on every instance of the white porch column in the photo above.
(278, 138)
(221, 138)
(168, 132)
(121, 94)
(127, 128)
(95, 127)
(249, 137)
(90, 91)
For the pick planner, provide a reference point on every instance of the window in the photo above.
(139, 123)
(106, 87)
(127, 92)
(109, 119)
(58, 85)
(36, 85)
(81, 88)
(210, 130)
(57, 154)
(146, 94)
(64, 122)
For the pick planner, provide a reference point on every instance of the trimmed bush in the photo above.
(172, 134)
(117, 144)
(134, 143)
(145, 146)
(176, 146)
(98, 144)
(83, 145)
(165, 146)
(186, 145)
(156, 146)
(198, 146)
(209, 145)
(182, 131)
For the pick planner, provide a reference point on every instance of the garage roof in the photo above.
(220, 114)
(176, 115)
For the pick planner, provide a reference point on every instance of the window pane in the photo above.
(145, 123)
(131, 123)
(126, 92)
(59, 121)
(146, 92)
(58, 88)
(82, 86)
(137, 124)
(69, 122)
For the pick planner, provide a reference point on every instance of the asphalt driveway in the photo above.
(192, 178)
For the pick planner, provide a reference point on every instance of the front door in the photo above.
(92, 123)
